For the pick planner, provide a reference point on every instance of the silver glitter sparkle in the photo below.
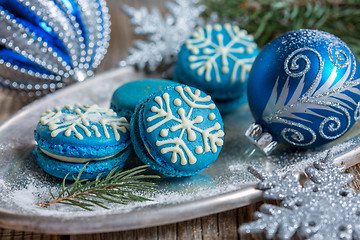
(330, 97)
(165, 34)
(84, 48)
(321, 208)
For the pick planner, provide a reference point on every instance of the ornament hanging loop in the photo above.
(261, 139)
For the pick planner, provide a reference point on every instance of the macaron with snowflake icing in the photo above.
(127, 96)
(178, 131)
(217, 59)
(69, 137)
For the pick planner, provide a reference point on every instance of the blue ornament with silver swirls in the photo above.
(303, 91)
(46, 44)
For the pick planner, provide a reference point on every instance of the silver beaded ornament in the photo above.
(322, 208)
(47, 44)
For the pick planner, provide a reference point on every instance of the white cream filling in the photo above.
(73, 159)
(148, 150)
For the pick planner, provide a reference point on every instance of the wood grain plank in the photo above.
(147, 233)
(10, 103)
(167, 232)
(189, 230)
(245, 214)
(228, 224)
(197, 229)
(210, 227)
(95, 236)
(8, 234)
(131, 234)
(355, 184)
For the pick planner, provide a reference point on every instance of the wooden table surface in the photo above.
(223, 225)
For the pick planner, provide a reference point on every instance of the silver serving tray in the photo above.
(225, 185)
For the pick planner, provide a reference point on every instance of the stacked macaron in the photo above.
(126, 97)
(178, 131)
(217, 59)
(72, 136)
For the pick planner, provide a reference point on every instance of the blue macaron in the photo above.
(72, 136)
(178, 131)
(217, 59)
(127, 96)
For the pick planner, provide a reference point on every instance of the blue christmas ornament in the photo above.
(303, 91)
(45, 44)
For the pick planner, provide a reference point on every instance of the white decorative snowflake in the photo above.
(211, 137)
(319, 209)
(208, 49)
(165, 35)
(83, 117)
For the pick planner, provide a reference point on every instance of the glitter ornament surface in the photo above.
(309, 92)
(165, 35)
(45, 44)
(319, 209)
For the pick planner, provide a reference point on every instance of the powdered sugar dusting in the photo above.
(23, 183)
(26, 184)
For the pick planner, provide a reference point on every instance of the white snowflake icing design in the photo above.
(81, 117)
(212, 50)
(211, 137)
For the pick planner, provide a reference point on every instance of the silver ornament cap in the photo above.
(48, 44)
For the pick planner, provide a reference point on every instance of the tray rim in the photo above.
(134, 219)
(120, 221)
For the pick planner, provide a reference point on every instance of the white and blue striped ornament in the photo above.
(46, 44)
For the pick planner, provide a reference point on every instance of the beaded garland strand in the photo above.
(47, 44)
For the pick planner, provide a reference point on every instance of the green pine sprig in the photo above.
(117, 187)
(267, 19)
